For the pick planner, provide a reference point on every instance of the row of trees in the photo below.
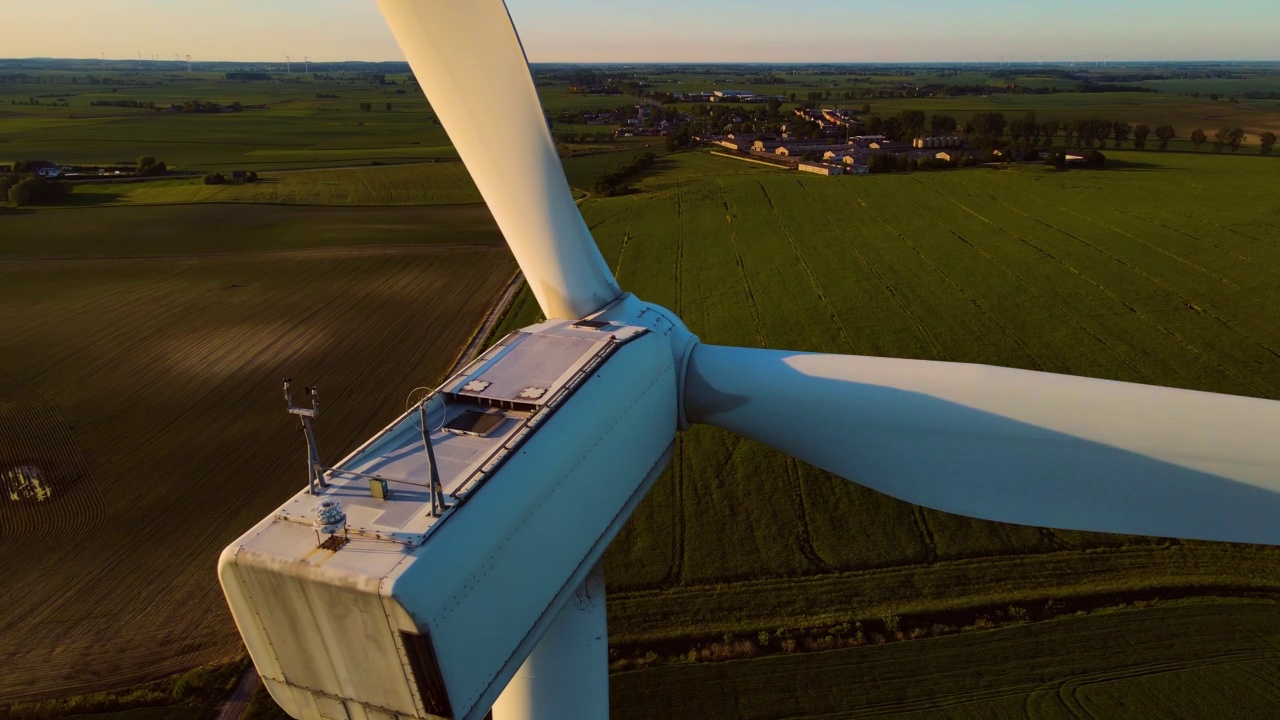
(988, 130)
(615, 181)
(25, 190)
(883, 162)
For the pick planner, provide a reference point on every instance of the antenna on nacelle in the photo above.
(315, 471)
(437, 490)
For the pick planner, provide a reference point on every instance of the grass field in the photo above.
(413, 184)
(433, 183)
(153, 360)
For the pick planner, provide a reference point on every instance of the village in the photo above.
(825, 140)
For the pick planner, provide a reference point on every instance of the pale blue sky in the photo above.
(667, 30)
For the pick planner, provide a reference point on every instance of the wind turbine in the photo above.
(451, 565)
(188, 62)
(288, 65)
(306, 65)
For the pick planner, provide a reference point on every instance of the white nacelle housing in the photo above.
(543, 447)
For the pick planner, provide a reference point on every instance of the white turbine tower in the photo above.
(450, 566)
(306, 65)
(288, 65)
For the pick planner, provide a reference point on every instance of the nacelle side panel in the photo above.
(482, 583)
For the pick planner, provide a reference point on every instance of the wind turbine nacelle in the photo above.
(373, 608)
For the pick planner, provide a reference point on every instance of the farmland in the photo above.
(1117, 664)
(1161, 270)
(141, 373)
(143, 335)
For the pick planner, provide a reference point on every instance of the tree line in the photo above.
(617, 180)
(993, 130)
(21, 185)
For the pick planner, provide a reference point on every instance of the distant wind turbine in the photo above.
(288, 64)
(188, 62)
(306, 64)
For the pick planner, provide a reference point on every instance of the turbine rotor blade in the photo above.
(469, 61)
(1009, 445)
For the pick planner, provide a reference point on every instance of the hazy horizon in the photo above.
(666, 31)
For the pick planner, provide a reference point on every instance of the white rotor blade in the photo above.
(468, 60)
(1009, 445)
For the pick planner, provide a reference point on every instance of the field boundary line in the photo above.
(938, 352)
(679, 246)
(1153, 246)
(324, 251)
(766, 163)
(1032, 288)
(276, 203)
(677, 570)
(813, 281)
(1103, 289)
(1123, 263)
(491, 319)
(950, 281)
(626, 238)
(729, 215)
(807, 550)
(1228, 228)
(1184, 233)
(1194, 307)
(875, 572)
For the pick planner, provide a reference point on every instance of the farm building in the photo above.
(739, 95)
(818, 168)
(947, 156)
(939, 141)
(802, 148)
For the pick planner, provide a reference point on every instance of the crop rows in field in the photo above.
(166, 371)
(1178, 660)
(1072, 273)
(46, 485)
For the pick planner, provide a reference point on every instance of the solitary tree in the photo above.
(1268, 140)
(1198, 137)
(388, 107)
(1140, 134)
(367, 107)
(1165, 133)
(942, 124)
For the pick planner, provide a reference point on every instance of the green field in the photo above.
(1161, 270)
(442, 183)
(143, 333)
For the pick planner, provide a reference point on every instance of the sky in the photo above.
(667, 30)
